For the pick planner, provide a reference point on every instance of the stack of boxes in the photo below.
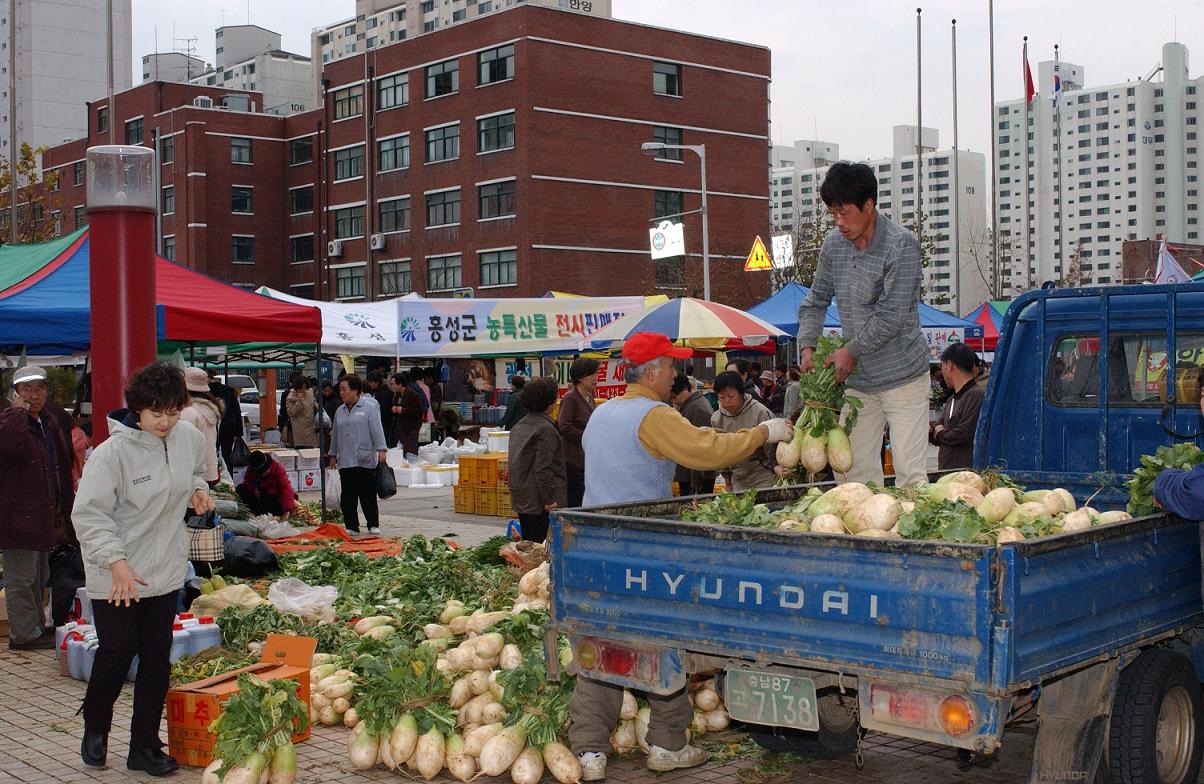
(484, 486)
(303, 467)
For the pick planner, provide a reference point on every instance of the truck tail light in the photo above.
(630, 661)
(950, 714)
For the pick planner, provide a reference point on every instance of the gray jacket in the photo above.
(358, 434)
(130, 505)
(757, 470)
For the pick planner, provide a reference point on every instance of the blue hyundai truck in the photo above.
(1096, 637)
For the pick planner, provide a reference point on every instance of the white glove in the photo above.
(778, 430)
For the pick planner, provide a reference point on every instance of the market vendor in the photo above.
(871, 266)
(632, 444)
(266, 489)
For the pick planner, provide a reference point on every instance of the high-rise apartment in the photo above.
(1104, 165)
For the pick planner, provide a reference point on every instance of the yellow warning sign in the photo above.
(758, 258)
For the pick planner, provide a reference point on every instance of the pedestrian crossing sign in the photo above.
(758, 258)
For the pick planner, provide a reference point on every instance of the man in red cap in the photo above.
(633, 445)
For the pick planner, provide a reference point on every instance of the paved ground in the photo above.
(40, 733)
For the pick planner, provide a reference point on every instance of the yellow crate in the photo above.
(464, 499)
(503, 471)
(468, 471)
(486, 501)
(504, 509)
(487, 469)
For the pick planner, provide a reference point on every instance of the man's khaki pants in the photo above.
(25, 575)
(595, 709)
(905, 409)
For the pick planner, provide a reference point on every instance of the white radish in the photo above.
(320, 659)
(500, 751)
(340, 689)
(474, 740)
(528, 768)
(706, 699)
(459, 659)
(1107, 518)
(454, 609)
(248, 771)
(562, 763)
(642, 719)
(350, 719)
(495, 685)
(699, 725)
(717, 720)
(528, 584)
(630, 706)
(385, 753)
(1077, 520)
(482, 663)
(380, 632)
(461, 693)
(436, 631)
(622, 740)
(459, 624)
(430, 754)
(996, 505)
(511, 657)
(283, 768)
(1068, 502)
(460, 764)
(364, 624)
(479, 623)
(478, 681)
(209, 775)
(488, 645)
(363, 749)
(878, 512)
(966, 478)
(318, 701)
(1010, 534)
(341, 705)
(404, 738)
(828, 524)
(493, 713)
(328, 718)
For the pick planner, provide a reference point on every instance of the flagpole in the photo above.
(1028, 229)
(919, 134)
(998, 292)
(1057, 110)
(957, 193)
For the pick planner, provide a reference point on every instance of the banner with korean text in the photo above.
(491, 327)
(939, 339)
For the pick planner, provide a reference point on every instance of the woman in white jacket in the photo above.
(204, 412)
(129, 517)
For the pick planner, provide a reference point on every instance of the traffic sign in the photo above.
(758, 257)
(464, 293)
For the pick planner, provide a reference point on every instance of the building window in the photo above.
(666, 203)
(394, 215)
(301, 200)
(349, 102)
(167, 149)
(495, 65)
(102, 119)
(77, 172)
(443, 144)
(666, 79)
(442, 78)
(393, 153)
(81, 217)
(442, 272)
(302, 290)
(242, 250)
(667, 135)
(443, 208)
(240, 150)
(169, 199)
(349, 163)
(428, 6)
(169, 248)
(499, 268)
(349, 282)
(392, 91)
(395, 278)
(349, 222)
(240, 199)
(302, 248)
(495, 200)
(133, 131)
(300, 151)
(495, 133)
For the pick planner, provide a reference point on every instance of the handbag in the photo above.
(386, 481)
(205, 537)
(240, 455)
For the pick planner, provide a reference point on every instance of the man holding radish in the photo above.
(871, 266)
(632, 446)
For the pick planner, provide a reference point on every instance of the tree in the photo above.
(927, 241)
(37, 198)
(980, 247)
(1072, 276)
(808, 236)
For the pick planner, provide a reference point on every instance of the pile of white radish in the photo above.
(331, 691)
(279, 766)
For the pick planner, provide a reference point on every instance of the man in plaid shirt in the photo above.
(871, 266)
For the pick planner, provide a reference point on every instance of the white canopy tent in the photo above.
(359, 328)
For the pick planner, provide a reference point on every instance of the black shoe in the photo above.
(44, 642)
(152, 761)
(94, 749)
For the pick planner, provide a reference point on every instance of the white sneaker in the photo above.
(374, 529)
(593, 766)
(686, 757)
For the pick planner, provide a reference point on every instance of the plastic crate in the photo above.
(503, 472)
(504, 509)
(468, 471)
(486, 501)
(464, 500)
(487, 469)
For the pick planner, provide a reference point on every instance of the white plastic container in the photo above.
(407, 477)
(179, 642)
(61, 632)
(499, 442)
(82, 606)
(76, 651)
(206, 634)
(89, 660)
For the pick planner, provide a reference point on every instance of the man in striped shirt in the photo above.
(871, 266)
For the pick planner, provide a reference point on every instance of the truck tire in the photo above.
(837, 736)
(1157, 728)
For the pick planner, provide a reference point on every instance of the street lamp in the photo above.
(652, 148)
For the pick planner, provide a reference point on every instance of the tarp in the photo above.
(989, 316)
(360, 328)
(45, 303)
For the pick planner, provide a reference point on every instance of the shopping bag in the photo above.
(386, 481)
(334, 489)
(240, 455)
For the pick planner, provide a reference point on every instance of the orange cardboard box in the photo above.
(191, 708)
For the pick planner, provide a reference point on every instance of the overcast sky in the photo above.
(842, 72)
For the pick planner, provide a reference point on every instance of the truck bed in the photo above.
(988, 619)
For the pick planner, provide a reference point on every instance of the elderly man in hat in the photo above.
(633, 445)
(36, 495)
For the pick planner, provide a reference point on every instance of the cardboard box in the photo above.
(286, 458)
(309, 459)
(308, 480)
(191, 708)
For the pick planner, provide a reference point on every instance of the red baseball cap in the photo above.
(646, 346)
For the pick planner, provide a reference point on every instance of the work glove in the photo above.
(779, 430)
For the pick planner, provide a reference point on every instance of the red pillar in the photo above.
(123, 322)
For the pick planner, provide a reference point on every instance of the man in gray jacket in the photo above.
(738, 410)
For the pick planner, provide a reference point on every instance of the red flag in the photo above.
(1029, 90)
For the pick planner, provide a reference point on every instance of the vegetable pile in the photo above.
(1141, 487)
(254, 734)
(960, 507)
(819, 438)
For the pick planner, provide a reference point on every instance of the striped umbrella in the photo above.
(692, 322)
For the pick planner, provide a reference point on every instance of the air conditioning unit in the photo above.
(203, 102)
(376, 242)
(334, 249)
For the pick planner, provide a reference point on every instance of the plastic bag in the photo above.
(276, 529)
(334, 489)
(313, 603)
(240, 595)
(386, 482)
(240, 527)
(240, 455)
(247, 557)
(434, 454)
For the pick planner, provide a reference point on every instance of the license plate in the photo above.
(771, 699)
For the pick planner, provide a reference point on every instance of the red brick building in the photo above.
(502, 154)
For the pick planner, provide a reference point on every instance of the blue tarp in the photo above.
(781, 310)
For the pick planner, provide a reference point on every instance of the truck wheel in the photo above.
(837, 736)
(1157, 731)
